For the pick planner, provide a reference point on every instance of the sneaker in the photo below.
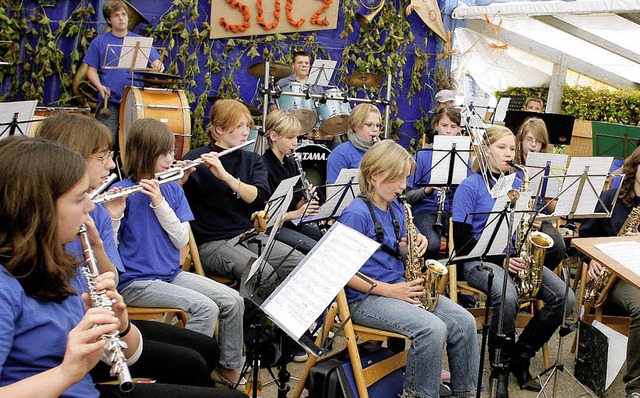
(634, 394)
(300, 356)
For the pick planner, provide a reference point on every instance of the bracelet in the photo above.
(238, 191)
(127, 329)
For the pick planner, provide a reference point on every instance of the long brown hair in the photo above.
(538, 130)
(627, 191)
(34, 173)
(83, 133)
(147, 139)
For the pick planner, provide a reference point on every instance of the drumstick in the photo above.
(105, 113)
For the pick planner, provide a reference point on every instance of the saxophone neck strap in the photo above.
(380, 230)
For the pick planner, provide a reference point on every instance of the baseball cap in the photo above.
(445, 96)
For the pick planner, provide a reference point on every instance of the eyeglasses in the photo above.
(104, 158)
(372, 125)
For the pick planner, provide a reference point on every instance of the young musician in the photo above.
(621, 293)
(282, 134)
(49, 339)
(446, 122)
(533, 137)
(444, 99)
(472, 195)
(193, 356)
(534, 104)
(103, 52)
(365, 123)
(225, 192)
(154, 228)
(392, 303)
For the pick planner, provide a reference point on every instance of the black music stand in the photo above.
(13, 114)
(342, 193)
(559, 127)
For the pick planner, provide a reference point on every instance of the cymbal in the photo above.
(252, 109)
(360, 79)
(276, 70)
(158, 75)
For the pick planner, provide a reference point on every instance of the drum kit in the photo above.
(323, 113)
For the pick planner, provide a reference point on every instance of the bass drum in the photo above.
(168, 106)
(334, 113)
(314, 162)
(300, 107)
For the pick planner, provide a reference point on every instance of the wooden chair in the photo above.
(355, 334)
(192, 261)
(462, 287)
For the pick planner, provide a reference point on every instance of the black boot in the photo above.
(530, 341)
(500, 370)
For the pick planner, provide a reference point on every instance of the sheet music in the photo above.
(597, 169)
(328, 209)
(479, 104)
(503, 185)
(626, 253)
(501, 110)
(617, 353)
(536, 164)
(499, 243)
(442, 157)
(316, 281)
(25, 111)
(278, 216)
(128, 51)
(279, 198)
(321, 72)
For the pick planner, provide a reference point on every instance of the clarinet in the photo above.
(113, 350)
(442, 196)
(303, 179)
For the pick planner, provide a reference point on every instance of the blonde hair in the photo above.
(283, 123)
(493, 134)
(384, 157)
(359, 115)
(538, 130)
(226, 113)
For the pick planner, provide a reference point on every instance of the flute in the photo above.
(169, 175)
(114, 348)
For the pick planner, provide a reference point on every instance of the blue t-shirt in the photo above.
(381, 266)
(33, 334)
(102, 219)
(145, 247)
(345, 156)
(472, 196)
(105, 50)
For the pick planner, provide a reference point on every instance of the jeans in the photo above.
(303, 237)
(628, 297)
(226, 258)
(449, 326)
(424, 221)
(206, 301)
(551, 293)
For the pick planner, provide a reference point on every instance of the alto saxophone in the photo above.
(596, 290)
(431, 271)
(532, 245)
(113, 350)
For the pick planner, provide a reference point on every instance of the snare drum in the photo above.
(334, 113)
(168, 106)
(314, 162)
(43, 112)
(300, 107)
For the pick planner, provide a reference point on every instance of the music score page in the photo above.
(626, 253)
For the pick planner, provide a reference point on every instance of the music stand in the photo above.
(13, 114)
(559, 127)
(449, 163)
(507, 103)
(338, 199)
(135, 54)
(321, 72)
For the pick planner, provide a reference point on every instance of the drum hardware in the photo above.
(363, 79)
(365, 20)
(276, 69)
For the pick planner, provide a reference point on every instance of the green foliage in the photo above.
(619, 106)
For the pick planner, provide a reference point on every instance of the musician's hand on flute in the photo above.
(85, 346)
(214, 165)
(595, 269)
(151, 188)
(187, 172)
(116, 207)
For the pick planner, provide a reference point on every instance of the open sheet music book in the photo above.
(317, 280)
(442, 159)
(342, 192)
(122, 56)
(536, 164)
(279, 198)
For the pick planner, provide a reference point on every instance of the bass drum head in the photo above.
(313, 158)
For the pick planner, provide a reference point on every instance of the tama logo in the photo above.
(313, 155)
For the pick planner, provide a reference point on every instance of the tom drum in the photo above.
(300, 107)
(168, 106)
(334, 113)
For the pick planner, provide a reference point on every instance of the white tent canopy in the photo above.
(534, 43)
